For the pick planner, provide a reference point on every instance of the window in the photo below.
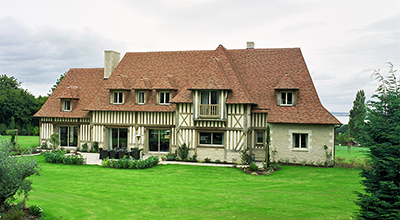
(118, 138)
(67, 105)
(164, 98)
(260, 137)
(286, 98)
(118, 97)
(68, 136)
(209, 106)
(300, 140)
(211, 138)
(140, 98)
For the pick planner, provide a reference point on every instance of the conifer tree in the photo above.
(357, 116)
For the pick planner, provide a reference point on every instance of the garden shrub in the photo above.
(217, 161)
(96, 146)
(84, 147)
(14, 172)
(59, 156)
(183, 151)
(35, 210)
(244, 156)
(171, 157)
(207, 160)
(128, 163)
(193, 158)
(253, 167)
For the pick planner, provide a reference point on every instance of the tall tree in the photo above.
(57, 82)
(382, 134)
(357, 116)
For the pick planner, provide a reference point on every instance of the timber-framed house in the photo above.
(217, 102)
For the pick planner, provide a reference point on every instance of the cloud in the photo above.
(37, 56)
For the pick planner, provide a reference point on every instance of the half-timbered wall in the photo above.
(113, 118)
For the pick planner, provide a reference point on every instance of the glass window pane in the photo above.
(162, 97)
(67, 105)
(123, 138)
(218, 139)
(260, 138)
(283, 98)
(214, 97)
(115, 97)
(304, 140)
(63, 136)
(167, 97)
(73, 136)
(204, 97)
(114, 137)
(289, 98)
(120, 97)
(141, 97)
(296, 140)
(205, 138)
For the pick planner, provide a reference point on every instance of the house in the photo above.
(217, 102)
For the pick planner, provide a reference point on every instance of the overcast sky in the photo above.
(342, 41)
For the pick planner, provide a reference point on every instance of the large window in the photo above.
(118, 97)
(212, 138)
(209, 103)
(286, 98)
(164, 98)
(300, 140)
(68, 136)
(159, 140)
(260, 137)
(118, 138)
(140, 98)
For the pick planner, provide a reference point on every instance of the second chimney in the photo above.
(250, 45)
(111, 60)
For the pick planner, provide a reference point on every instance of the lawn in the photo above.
(359, 152)
(24, 141)
(194, 192)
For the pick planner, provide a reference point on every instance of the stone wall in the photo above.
(282, 150)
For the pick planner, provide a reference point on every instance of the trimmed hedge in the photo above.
(60, 157)
(128, 163)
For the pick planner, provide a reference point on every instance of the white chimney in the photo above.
(111, 60)
(250, 45)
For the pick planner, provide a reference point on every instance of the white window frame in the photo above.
(263, 138)
(284, 102)
(163, 93)
(301, 136)
(65, 101)
(212, 139)
(118, 101)
(300, 131)
(138, 98)
(209, 110)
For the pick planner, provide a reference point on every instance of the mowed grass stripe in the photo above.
(194, 192)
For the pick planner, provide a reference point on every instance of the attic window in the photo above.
(118, 97)
(286, 98)
(141, 98)
(66, 105)
(164, 97)
(209, 106)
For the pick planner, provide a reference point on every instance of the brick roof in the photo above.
(251, 76)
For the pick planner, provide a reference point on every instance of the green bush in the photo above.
(193, 158)
(183, 152)
(207, 160)
(253, 167)
(85, 147)
(96, 146)
(244, 156)
(171, 157)
(128, 163)
(217, 161)
(35, 210)
(60, 157)
(14, 172)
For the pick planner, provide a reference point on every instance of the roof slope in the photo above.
(252, 76)
(82, 84)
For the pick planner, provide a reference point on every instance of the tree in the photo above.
(357, 116)
(382, 133)
(14, 172)
(57, 82)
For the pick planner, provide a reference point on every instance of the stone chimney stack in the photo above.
(111, 60)
(250, 45)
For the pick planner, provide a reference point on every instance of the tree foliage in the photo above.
(382, 133)
(14, 172)
(57, 82)
(357, 116)
(18, 103)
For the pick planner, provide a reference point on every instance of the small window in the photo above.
(209, 106)
(164, 98)
(300, 140)
(211, 138)
(140, 98)
(67, 105)
(118, 98)
(260, 137)
(286, 99)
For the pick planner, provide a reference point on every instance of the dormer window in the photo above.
(66, 105)
(163, 98)
(141, 98)
(286, 98)
(118, 97)
(209, 106)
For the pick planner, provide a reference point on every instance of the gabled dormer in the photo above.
(69, 98)
(166, 88)
(286, 91)
(118, 87)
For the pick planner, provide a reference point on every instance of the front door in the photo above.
(159, 140)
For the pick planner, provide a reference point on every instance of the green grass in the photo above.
(24, 141)
(359, 152)
(194, 192)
